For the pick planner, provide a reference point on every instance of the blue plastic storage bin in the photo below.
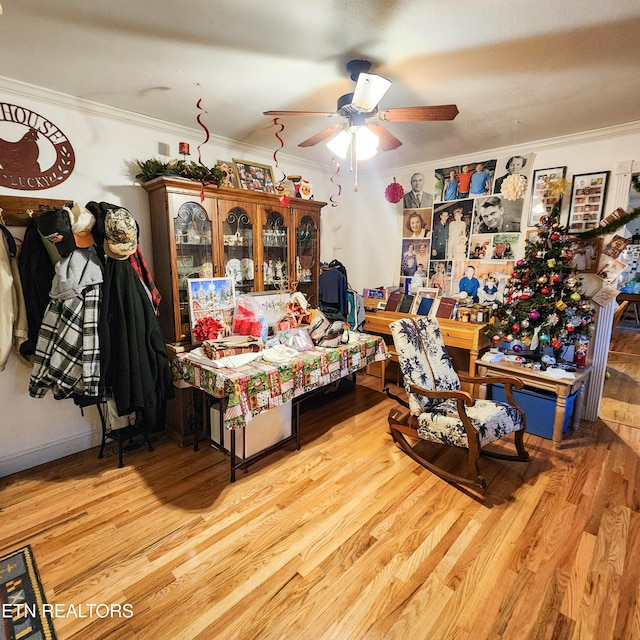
(538, 406)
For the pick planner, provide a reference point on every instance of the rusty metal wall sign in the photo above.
(34, 153)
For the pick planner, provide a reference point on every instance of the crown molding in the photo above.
(535, 146)
(97, 109)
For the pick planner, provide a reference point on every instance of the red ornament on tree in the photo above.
(394, 192)
(555, 237)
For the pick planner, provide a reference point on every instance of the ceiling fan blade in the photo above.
(369, 90)
(388, 142)
(419, 114)
(319, 114)
(323, 135)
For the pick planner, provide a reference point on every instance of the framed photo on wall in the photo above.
(252, 176)
(586, 254)
(541, 199)
(533, 236)
(588, 193)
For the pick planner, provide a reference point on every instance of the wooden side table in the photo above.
(561, 387)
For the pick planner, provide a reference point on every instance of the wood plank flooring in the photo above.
(345, 539)
(621, 392)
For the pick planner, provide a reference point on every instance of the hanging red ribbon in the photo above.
(275, 153)
(207, 136)
(332, 198)
(204, 126)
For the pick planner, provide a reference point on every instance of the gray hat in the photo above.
(120, 234)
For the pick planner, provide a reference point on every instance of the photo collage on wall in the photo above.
(464, 236)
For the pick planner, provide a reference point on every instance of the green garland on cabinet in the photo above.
(153, 168)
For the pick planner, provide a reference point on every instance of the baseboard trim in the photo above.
(52, 451)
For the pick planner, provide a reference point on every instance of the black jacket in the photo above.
(135, 363)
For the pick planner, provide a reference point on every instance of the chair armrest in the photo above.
(462, 398)
(428, 393)
(508, 381)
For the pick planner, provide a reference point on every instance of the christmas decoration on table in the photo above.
(207, 329)
(394, 192)
(544, 305)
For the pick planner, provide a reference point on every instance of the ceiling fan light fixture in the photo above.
(366, 143)
(340, 144)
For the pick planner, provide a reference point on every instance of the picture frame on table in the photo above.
(586, 254)
(588, 195)
(422, 293)
(214, 297)
(542, 201)
(252, 176)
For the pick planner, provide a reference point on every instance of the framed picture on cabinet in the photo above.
(211, 297)
(542, 200)
(251, 176)
(229, 178)
(588, 193)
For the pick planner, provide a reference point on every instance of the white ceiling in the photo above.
(518, 70)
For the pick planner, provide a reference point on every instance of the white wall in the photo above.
(105, 141)
(364, 232)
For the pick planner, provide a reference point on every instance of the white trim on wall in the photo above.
(95, 109)
(618, 197)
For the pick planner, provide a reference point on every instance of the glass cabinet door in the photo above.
(275, 243)
(192, 229)
(307, 258)
(239, 249)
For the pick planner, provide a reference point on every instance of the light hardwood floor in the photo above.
(345, 539)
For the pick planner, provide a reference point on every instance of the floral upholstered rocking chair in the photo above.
(439, 411)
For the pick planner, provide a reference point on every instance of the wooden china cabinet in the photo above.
(224, 232)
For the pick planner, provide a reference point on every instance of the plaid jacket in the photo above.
(144, 273)
(67, 357)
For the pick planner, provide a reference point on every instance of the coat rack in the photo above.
(15, 209)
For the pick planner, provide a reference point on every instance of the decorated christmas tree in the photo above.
(543, 303)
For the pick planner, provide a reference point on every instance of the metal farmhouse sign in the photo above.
(34, 153)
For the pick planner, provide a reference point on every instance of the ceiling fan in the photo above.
(362, 131)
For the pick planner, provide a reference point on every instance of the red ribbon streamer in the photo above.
(204, 126)
(275, 153)
(331, 199)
